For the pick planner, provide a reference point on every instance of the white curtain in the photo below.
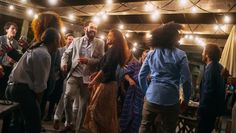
(228, 57)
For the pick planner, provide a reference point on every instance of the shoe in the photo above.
(56, 124)
(68, 128)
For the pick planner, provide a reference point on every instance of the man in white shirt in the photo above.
(85, 53)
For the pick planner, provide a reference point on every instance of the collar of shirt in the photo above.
(86, 41)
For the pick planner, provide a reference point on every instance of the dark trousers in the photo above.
(28, 104)
(4, 80)
(206, 122)
(163, 117)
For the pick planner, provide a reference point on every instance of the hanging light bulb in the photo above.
(11, 7)
(121, 26)
(127, 35)
(30, 12)
(96, 20)
(53, 2)
(109, 2)
(134, 49)
(155, 15)
(227, 19)
(71, 17)
(182, 2)
(63, 29)
(194, 9)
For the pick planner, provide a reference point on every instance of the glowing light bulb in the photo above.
(53, 2)
(30, 12)
(135, 44)
(127, 35)
(227, 19)
(134, 49)
(63, 29)
(109, 2)
(155, 15)
(194, 9)
(121, 26)
(72, 17)
(96, 20)
(11, 7)
(182, 2)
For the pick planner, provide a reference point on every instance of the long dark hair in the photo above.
(119, 46)
(49, 36)
(166, 36)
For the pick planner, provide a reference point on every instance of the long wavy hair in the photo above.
(47, 20)
(120, 45)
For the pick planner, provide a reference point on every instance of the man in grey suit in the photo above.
(8, 45)
(85, 53)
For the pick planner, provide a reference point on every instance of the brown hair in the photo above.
(8, 24)
(213, 52)
(47, 20)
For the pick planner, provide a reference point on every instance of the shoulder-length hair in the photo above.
(47, 20)
(166, 36)
(120, 46)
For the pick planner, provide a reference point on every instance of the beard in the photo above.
(91, 34)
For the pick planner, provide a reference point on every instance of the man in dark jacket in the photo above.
(212, 90)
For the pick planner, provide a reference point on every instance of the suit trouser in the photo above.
(234, 118)
(206, 121)
(28, 104)
(78, 91)
(60, 106)
(164, 117)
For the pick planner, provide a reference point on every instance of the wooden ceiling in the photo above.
(206, 23)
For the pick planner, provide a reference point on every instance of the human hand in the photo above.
(64, 69)
(132, 82)
(83, 60)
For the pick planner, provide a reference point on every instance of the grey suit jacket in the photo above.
(3, 41)
(97, 51)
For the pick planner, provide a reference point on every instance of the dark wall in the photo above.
(4, 19)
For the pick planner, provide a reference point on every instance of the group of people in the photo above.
(82, 79)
